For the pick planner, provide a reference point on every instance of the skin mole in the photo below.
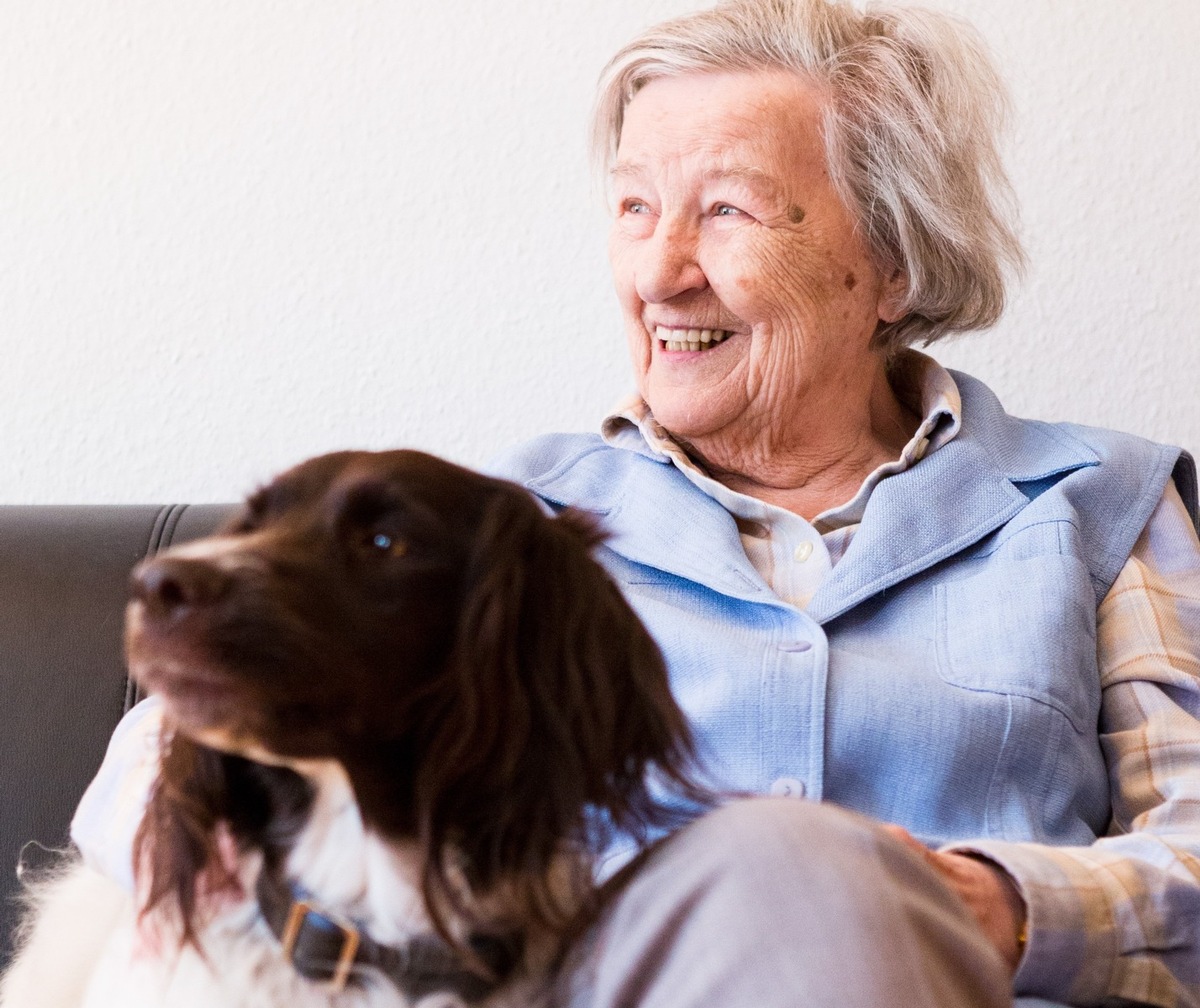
(795, 214)
(851, 281)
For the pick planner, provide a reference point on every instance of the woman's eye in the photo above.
(634, 206)
(725, 210)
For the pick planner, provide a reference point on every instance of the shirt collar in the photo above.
(920, 382)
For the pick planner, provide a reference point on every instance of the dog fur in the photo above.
(399, 685)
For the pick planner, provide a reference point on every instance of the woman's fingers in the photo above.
(987, 889)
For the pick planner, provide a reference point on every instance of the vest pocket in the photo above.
(1026, 628)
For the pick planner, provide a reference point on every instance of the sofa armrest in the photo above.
(63, 584)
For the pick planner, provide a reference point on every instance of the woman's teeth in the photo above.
(690, 339)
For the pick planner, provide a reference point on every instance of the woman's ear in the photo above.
(893, 296)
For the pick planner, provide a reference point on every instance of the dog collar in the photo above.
(324, 946)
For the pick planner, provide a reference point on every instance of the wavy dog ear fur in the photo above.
(556, 704)
(199, 793)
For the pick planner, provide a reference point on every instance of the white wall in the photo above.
(234, 233)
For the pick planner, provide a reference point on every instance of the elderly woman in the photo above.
(876, 591)
(875, 588)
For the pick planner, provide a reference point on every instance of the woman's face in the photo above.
(743, 283)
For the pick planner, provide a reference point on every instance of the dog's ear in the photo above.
(557, 706)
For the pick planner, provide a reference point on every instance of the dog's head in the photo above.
(327, 611)
(484, 684)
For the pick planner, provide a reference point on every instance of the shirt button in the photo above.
(803, 552)
(796, 646)
(787, 787)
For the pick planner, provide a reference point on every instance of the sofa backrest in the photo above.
(63, 687)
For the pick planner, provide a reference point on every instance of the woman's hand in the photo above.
(987, 889)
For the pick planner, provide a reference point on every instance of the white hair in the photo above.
(913, 111)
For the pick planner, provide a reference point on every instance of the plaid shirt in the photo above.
(1119, 919)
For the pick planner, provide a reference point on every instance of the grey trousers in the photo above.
(769, 903)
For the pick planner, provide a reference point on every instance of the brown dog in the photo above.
(404, 710)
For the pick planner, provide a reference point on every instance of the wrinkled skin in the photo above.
(725, 217)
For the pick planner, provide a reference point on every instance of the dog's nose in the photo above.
(168, 585)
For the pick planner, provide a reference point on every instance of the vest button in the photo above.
(787, 787)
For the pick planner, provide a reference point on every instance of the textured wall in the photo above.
(239, 232)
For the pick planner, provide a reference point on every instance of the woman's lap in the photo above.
(768, 900)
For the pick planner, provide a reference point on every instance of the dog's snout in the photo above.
(171, 584)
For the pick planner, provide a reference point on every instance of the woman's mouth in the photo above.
(690, 339)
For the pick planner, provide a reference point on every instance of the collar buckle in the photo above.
(297, 916)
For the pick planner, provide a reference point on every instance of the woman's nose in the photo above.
(669, 265)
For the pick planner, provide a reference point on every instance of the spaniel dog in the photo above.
(403, 712)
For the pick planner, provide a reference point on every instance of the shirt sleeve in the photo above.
(112, 807)
(1119, 921)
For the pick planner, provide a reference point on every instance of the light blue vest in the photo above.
(944, 677)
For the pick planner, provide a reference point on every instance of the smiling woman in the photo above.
(725, 220)
(874, 587)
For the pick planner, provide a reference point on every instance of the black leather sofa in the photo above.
(63, 576)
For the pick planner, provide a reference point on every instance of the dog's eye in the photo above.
(389, 545)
